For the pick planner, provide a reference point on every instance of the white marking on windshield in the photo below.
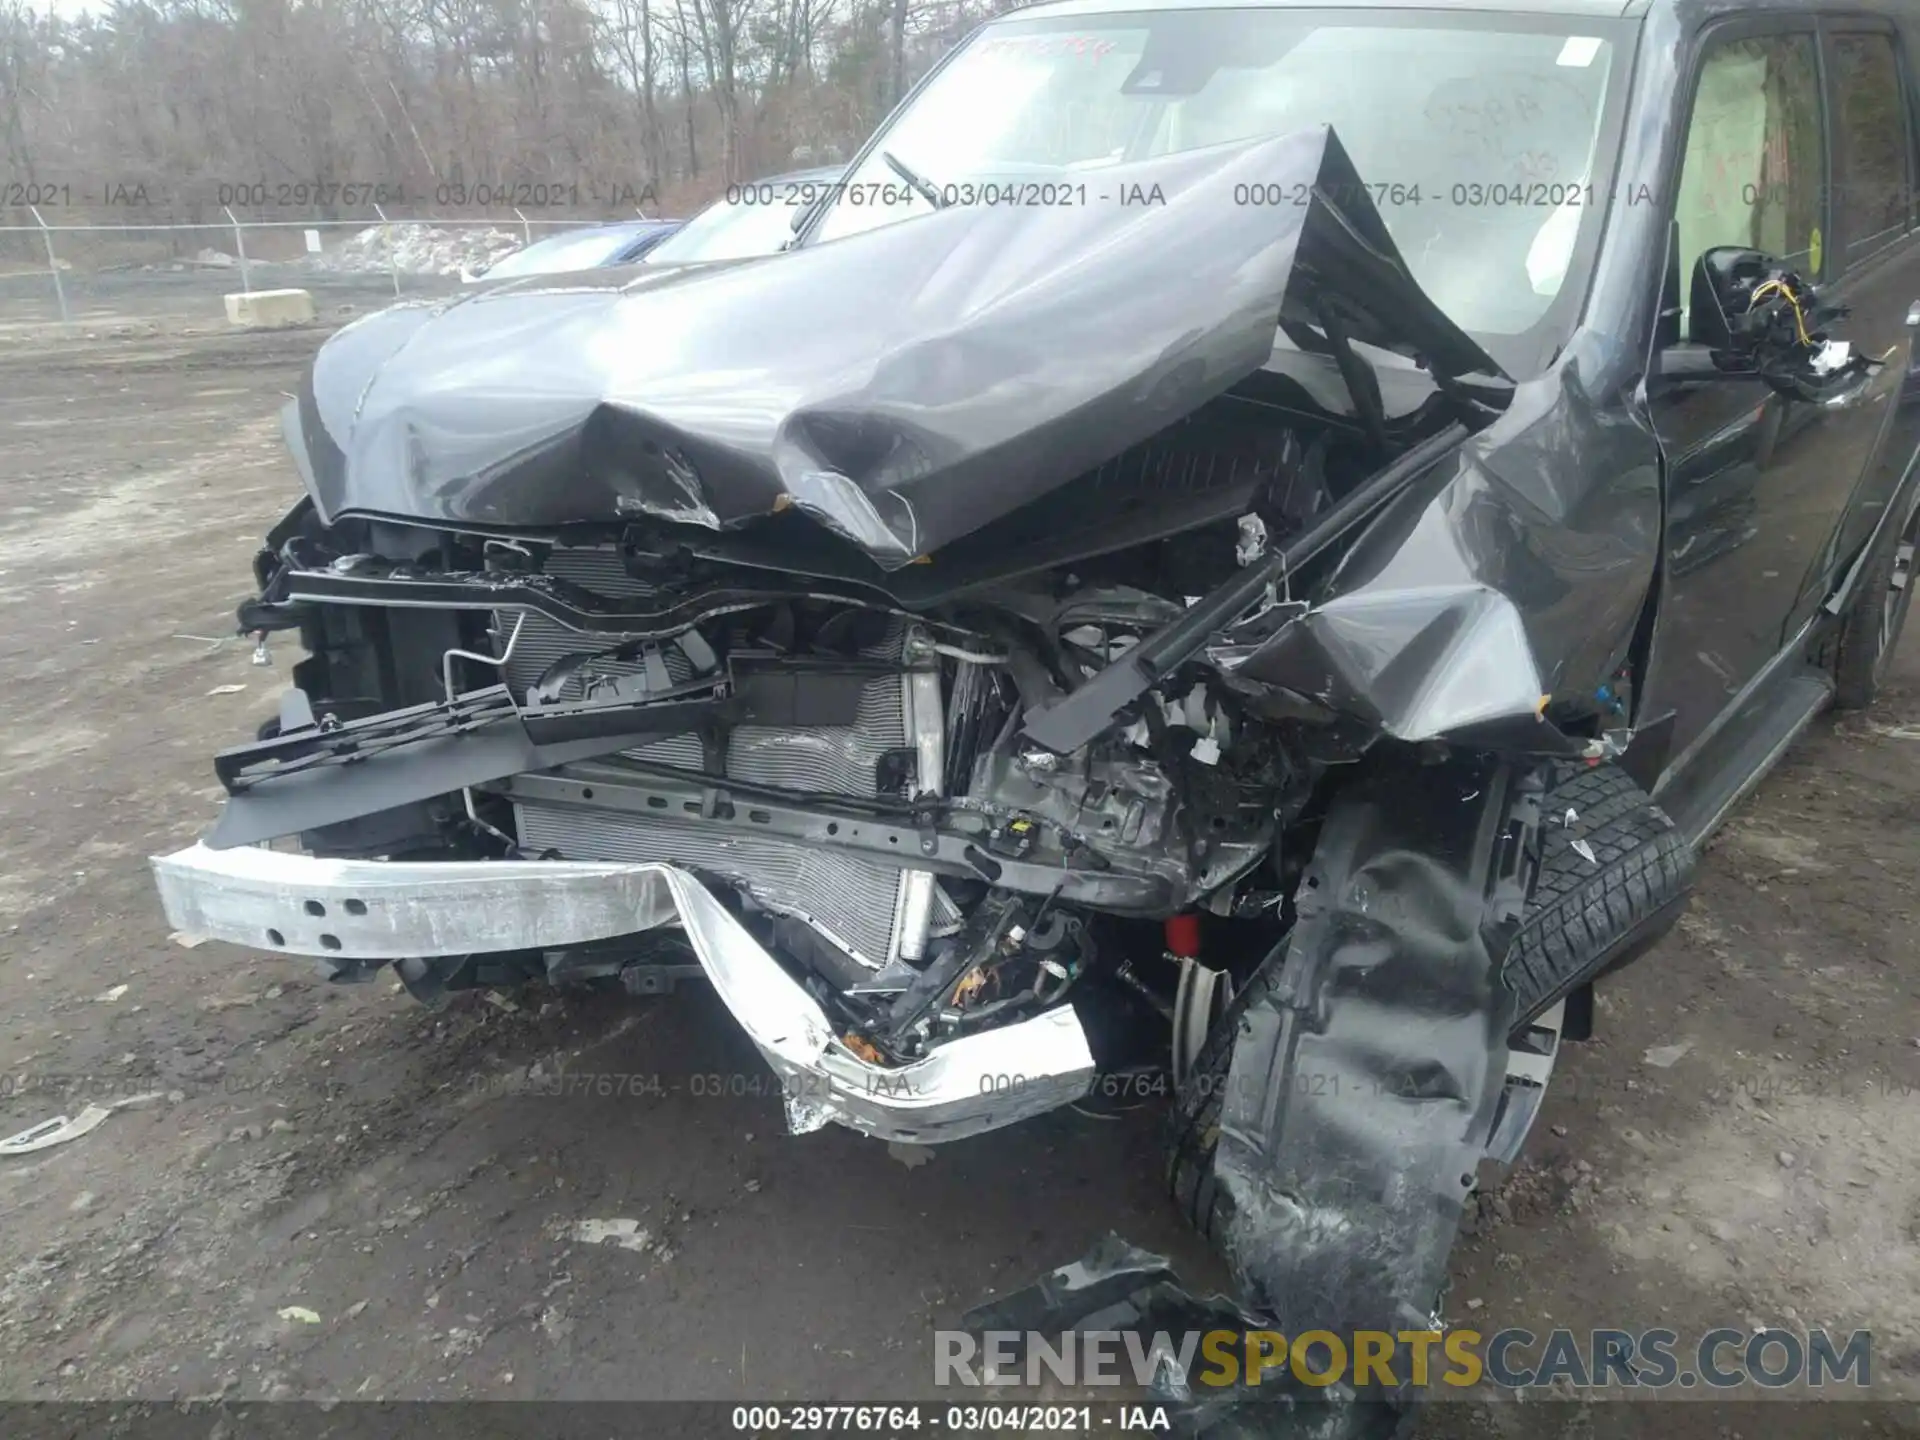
(1579, 51)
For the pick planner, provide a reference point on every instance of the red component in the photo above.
(1183, 935)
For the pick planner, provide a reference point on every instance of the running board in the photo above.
(1745, 748)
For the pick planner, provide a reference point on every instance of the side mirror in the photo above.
(1723, 282)
(1749, 317)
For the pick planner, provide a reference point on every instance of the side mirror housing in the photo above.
(1695, 363)
(1721, 277)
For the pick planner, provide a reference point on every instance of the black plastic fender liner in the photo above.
(1371, 1053)
(1368, 1061)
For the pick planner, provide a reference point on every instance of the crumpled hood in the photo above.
(904, 386)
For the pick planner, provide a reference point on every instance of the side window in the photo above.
(1871, 193)
(1754, 169)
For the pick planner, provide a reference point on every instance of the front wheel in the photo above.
(1614, 878)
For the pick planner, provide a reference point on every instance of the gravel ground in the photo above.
(337, 1193)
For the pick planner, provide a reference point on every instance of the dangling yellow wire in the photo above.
(1793, 301)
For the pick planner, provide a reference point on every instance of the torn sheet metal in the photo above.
(1072, 721)
(1513, 571)
(1494, 575)
(904, 386)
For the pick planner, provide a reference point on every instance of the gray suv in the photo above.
(1241, 551)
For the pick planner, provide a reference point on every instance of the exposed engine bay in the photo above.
(941, 681)
(1005, 648)
(855, 775)
(1059, 664)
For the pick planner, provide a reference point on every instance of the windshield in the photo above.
(1479, 136)
(757, 219)
(560, 254)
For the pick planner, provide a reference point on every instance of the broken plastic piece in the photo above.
(866, 1049)
(622, 1233)
(57, 1131)
(1118, 1288)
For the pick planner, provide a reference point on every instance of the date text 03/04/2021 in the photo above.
(948, 1419)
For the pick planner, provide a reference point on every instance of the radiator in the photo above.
(860, 905)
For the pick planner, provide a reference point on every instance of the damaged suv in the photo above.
(1251, 542)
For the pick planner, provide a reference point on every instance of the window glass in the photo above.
(757, 224)
(1870, 201)
(1755, 163)
(1479, 138)
(562, 254)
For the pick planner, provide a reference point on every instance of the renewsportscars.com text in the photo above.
(1719, 1359)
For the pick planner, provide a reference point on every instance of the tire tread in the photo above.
(1581, 912)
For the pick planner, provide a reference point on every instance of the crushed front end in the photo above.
(609, 761)
(930, 696)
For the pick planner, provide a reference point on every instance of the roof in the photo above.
(1575, 9)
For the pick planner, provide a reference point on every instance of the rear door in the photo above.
(1877, 250)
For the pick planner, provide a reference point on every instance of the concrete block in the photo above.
(270, 307)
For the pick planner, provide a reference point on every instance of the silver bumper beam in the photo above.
(390, 910)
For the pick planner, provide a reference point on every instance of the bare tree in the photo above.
(21, 53)
(190, 98)
(898, 73)
(630, 35)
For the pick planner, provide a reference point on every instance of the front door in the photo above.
(1756, 483)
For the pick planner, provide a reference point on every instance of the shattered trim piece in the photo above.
(57, 1131)
(1117, 1288)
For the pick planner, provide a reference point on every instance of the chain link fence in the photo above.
(97, 273)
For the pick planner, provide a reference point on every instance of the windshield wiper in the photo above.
(922, 186)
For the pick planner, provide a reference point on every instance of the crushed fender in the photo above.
(1361, 1097)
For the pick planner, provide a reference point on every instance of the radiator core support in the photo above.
(872, 911)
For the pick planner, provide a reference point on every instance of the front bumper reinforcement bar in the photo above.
(388, 910)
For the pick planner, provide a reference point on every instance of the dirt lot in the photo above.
(1738, 1146)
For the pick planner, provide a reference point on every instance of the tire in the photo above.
(1857, 650)
(1587, 916)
